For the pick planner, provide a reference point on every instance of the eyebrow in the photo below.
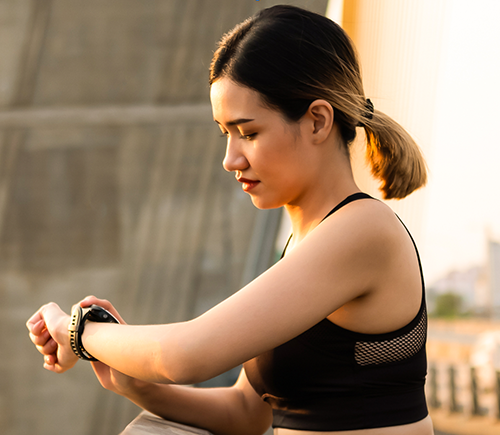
(236, 121)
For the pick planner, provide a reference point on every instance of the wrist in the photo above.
(79, 317)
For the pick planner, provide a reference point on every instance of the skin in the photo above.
(357, 264)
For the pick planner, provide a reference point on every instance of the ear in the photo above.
(321, 117)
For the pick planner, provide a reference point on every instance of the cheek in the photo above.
(278, 154)
(288, 161)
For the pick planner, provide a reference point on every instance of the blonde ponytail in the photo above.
(394, 156)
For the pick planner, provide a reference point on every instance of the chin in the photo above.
(263, 204)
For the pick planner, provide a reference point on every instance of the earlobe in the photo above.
(322, 117)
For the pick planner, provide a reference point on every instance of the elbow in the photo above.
(182, 361)
(177, 373)
(183, 370)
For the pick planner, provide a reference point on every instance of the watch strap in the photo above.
(79, 316)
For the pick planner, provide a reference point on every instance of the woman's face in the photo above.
(263, 149)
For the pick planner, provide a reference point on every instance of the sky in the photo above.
(463, 195)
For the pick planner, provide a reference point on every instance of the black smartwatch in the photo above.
(79, 316)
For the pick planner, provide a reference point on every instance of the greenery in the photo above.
(448, 305)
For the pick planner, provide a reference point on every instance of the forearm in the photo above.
(221, 411)
(181, 353)
(152, 353)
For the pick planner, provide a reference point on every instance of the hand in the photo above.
(48, 330)
(89, 300)
(117, 382)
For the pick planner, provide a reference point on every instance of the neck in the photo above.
(307, 216)
(331, 181)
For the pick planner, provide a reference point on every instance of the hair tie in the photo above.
(369, 108)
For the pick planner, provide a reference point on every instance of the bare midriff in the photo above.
(422, 427)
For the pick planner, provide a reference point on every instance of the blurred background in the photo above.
(111, 184)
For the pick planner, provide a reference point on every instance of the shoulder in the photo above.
(369, 211)
(339, 261)
(356, 245)
(366, 224)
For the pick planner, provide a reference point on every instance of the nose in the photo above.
(234, 160)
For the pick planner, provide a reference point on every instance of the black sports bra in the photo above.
(332, 379)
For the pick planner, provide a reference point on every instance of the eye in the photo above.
(248, 136)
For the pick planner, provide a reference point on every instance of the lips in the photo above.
(248, 184)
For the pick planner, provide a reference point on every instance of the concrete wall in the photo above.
(111, 184)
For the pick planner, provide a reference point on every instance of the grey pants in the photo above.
(147, 424)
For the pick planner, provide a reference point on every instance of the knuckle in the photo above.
(49, 306)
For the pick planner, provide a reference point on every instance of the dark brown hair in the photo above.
(293, 57)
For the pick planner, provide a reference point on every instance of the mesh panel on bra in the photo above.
(397, 349)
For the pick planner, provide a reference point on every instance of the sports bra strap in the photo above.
(350, 198)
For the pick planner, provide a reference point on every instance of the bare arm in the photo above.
(236, 410)
(339, 261)
(342, 259)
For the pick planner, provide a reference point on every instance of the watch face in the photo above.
(99, 314)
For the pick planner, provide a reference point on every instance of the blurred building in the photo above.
(493, 298)
(467, 284)
(478, 286)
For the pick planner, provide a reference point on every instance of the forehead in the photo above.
(233, 101)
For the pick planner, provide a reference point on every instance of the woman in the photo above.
(332, 337)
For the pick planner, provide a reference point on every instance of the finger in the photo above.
(56, 367)
(89, 300)
(49, 310)
(48, 348)
(49, 366)
(50, 359)
(33, 320)
(50, 314)
(37, 328)
(40, 339)
(104, 303)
